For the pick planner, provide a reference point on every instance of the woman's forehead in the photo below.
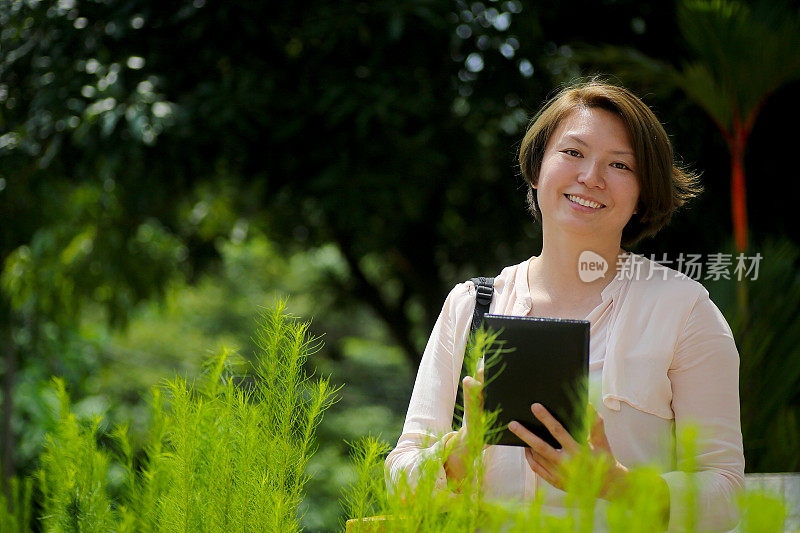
(586, 125)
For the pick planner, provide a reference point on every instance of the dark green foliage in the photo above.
(770, 357)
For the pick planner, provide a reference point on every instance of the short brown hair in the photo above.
(663, 185)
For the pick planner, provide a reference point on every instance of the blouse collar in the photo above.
(523, 290)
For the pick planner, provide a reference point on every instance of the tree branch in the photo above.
(394, 316)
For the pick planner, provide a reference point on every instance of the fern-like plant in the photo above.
(225, 453)
(15, 512)
(73, 473)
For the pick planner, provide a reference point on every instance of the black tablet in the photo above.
(544, 360)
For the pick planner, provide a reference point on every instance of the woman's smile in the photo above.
(580, 201)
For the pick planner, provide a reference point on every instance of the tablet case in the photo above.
(547, 362)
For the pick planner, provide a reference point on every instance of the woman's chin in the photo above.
(586, 230)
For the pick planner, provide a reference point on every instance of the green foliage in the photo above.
(173, 336)
(134, 134)
(240, 449)
(687, 443)
(422, 504)
(80, 260)
(290, 141)
(636, 510)
(363, 496)
(230, 451)
(73, 475)
(16, 513)
(227, 452)
(761, 512)
(742, 54)
(767, 338)
(770, 355)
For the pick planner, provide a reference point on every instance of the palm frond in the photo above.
(747, 52)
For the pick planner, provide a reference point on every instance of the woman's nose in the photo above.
(592, 175)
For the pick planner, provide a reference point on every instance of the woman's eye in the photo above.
(570, 151)
(621, 166)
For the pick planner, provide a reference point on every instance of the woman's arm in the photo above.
(704, 376)
(430, 411)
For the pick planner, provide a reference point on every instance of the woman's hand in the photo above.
(547, 461)
(457, 443)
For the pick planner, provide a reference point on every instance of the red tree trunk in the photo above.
(738, 191)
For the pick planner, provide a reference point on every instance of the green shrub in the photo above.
(227, 453)
(73, 474)
(15, 514)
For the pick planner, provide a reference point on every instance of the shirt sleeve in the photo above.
(704, 376)
(430, 411)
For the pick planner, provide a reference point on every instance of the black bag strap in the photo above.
(484, 291)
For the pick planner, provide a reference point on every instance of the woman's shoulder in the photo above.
(507, 277)
(657, 281)
(462, 295)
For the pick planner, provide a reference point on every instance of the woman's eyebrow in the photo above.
(582, 142)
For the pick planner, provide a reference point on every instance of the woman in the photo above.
(601, 174)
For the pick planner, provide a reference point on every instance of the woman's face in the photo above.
(588, 186)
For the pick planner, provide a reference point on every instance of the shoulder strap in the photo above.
(484, 288)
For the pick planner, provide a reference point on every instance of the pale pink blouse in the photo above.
(661, 356)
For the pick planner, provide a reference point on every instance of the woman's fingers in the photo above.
(545, 470)
(473, 400)
(458, 448)
(468, 397)
(554, 427)
(553, 468)
(473, 390)
(597, 436)
(537, 445)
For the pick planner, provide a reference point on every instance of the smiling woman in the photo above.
(601, 174)
(639, 139)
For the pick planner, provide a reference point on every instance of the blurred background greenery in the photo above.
(168, 167)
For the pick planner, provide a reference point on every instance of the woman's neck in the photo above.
(573, 270)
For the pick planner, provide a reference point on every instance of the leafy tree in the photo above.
(743, 55)
(73, 231)
(93, 100)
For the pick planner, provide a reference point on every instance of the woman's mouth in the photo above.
(584, 202)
